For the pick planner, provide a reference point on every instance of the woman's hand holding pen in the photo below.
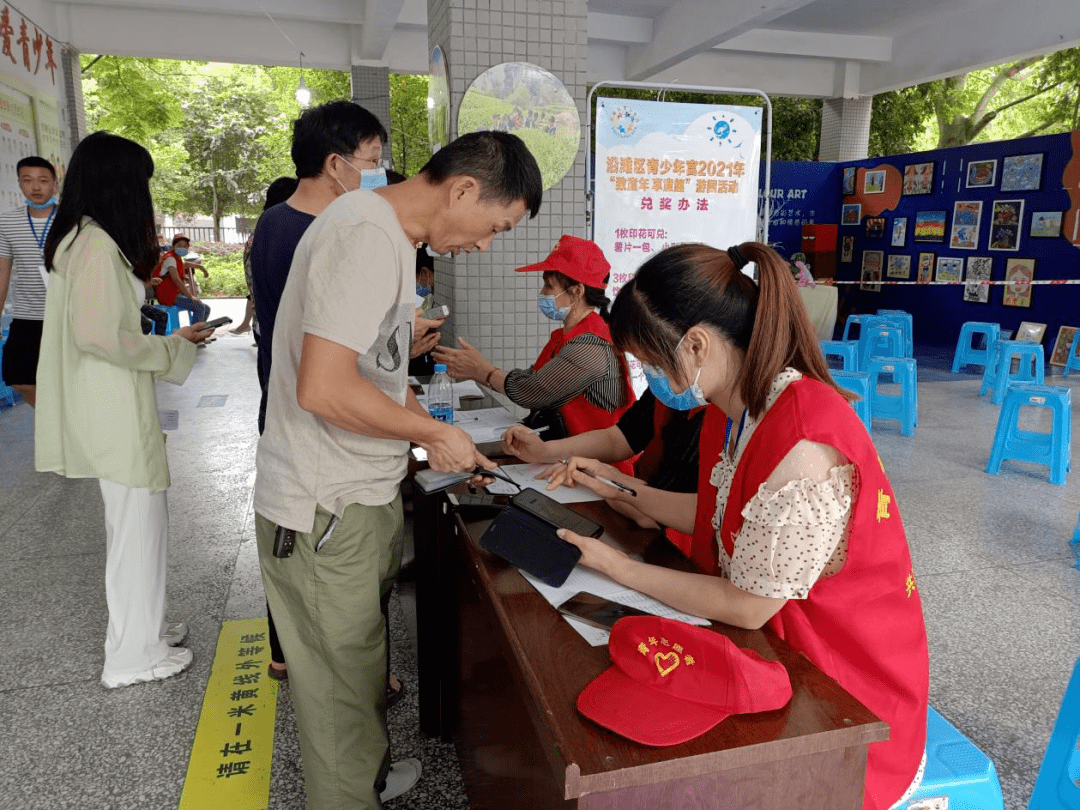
(596, 476)
(525, 443)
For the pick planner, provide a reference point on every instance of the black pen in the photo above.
(608, 481)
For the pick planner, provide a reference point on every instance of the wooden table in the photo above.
(500, 672)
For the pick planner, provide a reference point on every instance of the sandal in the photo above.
(394, 695)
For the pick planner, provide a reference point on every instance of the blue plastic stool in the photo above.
(857, 382)
(854, 320)
(174, 317)
(1053, 449)
(1030, 368)
(904, 321)
(846, 350)
(879, 341)
(905, 407)
(965, 354)
(1056, 786)
(956, 769)
(1073, 361)
(7, 393)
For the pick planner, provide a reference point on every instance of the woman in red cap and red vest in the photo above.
(796, 525)
(578, 375)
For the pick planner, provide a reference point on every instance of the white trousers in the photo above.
(137, 528)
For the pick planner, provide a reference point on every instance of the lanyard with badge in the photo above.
(41, 242)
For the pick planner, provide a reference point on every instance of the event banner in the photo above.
(668, 172)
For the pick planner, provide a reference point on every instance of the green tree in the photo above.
(223, 134)
(410, 145)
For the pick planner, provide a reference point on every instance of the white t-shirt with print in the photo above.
(352, 282)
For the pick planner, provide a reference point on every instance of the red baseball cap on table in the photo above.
(575, 258)
(671, 682)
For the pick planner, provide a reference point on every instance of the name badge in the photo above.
(44, 275)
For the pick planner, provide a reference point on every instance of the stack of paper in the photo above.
(589, 581)
(485, 424)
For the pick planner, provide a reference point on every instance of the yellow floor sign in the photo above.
(234, 744)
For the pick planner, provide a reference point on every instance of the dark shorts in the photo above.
(21, 352)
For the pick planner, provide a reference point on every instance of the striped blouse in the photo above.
(17, 242)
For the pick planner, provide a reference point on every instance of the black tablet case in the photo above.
(532, 545)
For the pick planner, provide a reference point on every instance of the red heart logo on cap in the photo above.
(664, 658)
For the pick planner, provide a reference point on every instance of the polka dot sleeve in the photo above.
(792, 537)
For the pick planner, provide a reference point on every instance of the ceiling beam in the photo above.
(803, 43)
(340, 12)
(619, 29)
(380, 17)
(691, 27)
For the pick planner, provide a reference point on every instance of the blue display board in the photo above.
(802, 193)
(1020, 187)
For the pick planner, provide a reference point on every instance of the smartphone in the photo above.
(435, 313)
(596, 610)
(214, 324)
(554, 513)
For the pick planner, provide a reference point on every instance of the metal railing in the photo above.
(205, 233)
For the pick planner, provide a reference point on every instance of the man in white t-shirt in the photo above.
(22, 249)
(339, 421)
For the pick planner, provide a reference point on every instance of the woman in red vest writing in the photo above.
(578, 376)
(795, 524)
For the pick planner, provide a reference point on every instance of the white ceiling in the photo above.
(819, 48)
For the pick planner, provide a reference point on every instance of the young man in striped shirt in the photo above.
(22, 243)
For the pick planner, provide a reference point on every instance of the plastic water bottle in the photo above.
(440, 395)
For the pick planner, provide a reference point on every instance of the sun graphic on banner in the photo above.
(724, 131)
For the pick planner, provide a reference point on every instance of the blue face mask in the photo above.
(49, 203)
(547, 306)
(423, 292)
(180, 251)
(660, 385)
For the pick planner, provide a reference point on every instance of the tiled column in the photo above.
(371, 90)
(493, 307)
(845, 128)
(74, 108)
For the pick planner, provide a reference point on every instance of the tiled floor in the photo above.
(997, 576)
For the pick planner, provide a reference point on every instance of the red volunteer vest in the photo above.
(579, 414)
(166, 291)
(863, 626)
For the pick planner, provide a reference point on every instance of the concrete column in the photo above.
(371, 90)
(493, 307)
(75, 109)
(845, 128)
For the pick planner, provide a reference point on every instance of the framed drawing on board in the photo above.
(847, 249)
(899, 266)
(849, 181)
(1045, 223)
(1062, 345)
(1005, 224)
(1018, 276)
(925, 273)
(950, 268)
(978, 271)
(930, 226)
(871, 270)
(981, 173)
(851, 214)
(875, 227)
(874, 182)
(1022, 172)
(899, 231)
(1031, 332)
(919, 178)
(967, 214)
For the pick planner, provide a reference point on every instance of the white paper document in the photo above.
(484, 424)
(525, 476)
(589, 581)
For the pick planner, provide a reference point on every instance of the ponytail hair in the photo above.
(689, 284)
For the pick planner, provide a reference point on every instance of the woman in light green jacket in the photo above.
(98, 413)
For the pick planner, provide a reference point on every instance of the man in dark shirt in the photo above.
(331, 145)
